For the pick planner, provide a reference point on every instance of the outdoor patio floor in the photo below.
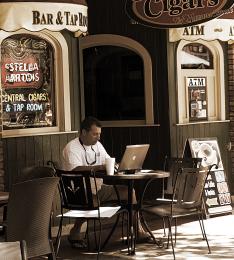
(220, 232)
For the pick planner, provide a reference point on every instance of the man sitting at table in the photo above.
(86, 153)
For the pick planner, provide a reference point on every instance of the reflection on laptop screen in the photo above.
(133, 157)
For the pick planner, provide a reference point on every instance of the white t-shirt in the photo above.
(74, 154)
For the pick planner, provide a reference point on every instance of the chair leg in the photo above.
(99, 240)
(122, 227)
(111, 232)
(204, 232)
(52, 255)
(128, 240)
(95, 232)
(87, 233)
(175, 229)
(59, 234)
(171, 236)
(164, 227)
(202, 229)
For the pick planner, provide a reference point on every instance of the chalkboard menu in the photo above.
(217, 196)
(27, 80)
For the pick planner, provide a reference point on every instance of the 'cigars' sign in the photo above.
(176, 13)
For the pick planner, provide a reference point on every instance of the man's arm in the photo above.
(90, 167)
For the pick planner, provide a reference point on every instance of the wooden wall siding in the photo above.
(206, 130)
(231, 104)
(109, 17)
(20, 152)
(115, 139)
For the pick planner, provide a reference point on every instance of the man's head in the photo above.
(90, 130)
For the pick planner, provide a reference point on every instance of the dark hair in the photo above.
(87, 123)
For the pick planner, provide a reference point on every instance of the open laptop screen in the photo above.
(133, 157)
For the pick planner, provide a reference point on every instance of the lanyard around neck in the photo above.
(86, 158)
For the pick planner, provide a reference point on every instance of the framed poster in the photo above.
(197, 98)
(217, 197)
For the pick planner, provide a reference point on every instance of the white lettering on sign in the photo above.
(14, 67)
(18, 107)
(13, 98)
(34, 107)
(196, 82)
(37, 96)
(22, 67)
(22, 77)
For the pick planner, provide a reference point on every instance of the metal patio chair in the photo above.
(77, 197)
(171, 165)
(186, 201)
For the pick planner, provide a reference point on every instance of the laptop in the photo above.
(133, 158)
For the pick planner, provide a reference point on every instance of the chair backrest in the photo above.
(188, 187)
(174, 164)
(76, 190)
(28, 214)
(34, 172)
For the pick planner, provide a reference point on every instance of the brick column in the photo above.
(231, 102)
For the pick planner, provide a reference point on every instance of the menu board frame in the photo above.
(217, 196)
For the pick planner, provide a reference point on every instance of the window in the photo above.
(114, 80)
(200, 82)
(32, 102)
(27, 73)
(196, 56)
(117, 80)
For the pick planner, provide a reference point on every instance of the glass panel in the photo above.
(113, 83)
(197, 98)
(27, 71)
(196, 56)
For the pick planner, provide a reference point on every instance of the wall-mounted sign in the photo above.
(27, 80)
(23, 73)
(175, 14)
(217, 197)
(197, 98)
(217, 29)
(36, 16)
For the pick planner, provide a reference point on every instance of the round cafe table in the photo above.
(129, 180)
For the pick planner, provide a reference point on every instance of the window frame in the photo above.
(219, 84)
(62, 94)
(125, 42)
